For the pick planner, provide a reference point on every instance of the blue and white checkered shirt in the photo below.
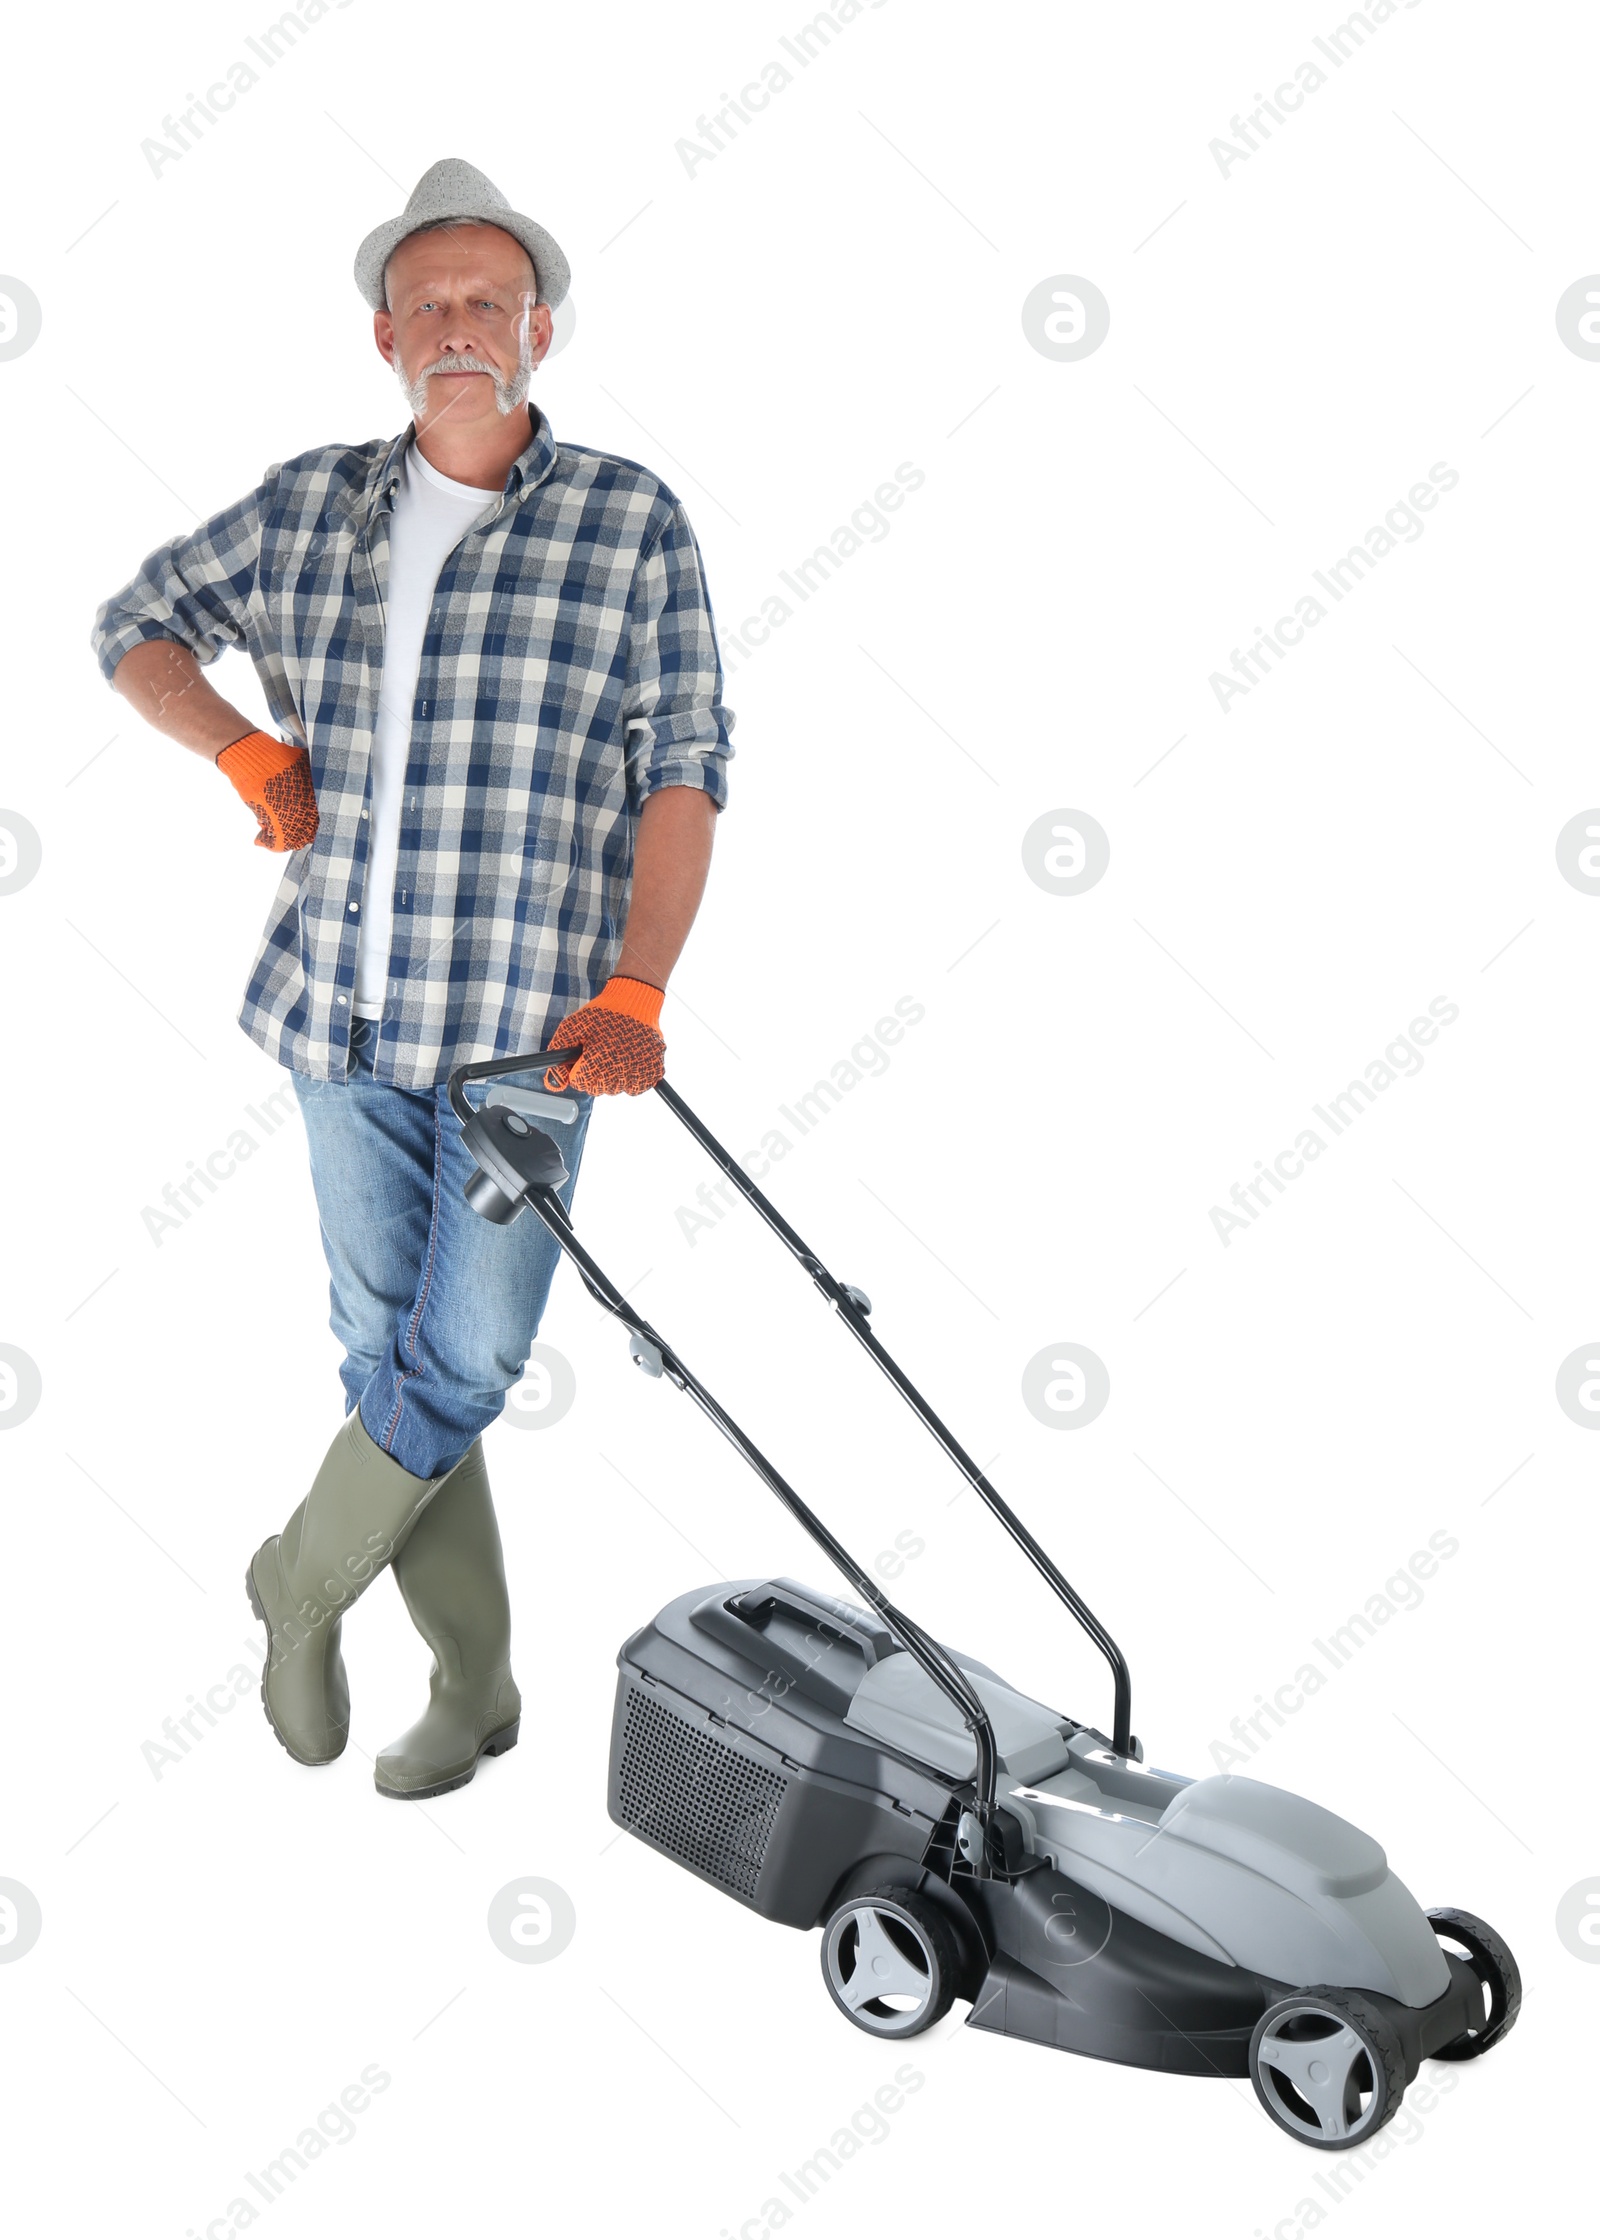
(569, 670)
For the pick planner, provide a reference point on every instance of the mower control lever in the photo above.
(540, 1061)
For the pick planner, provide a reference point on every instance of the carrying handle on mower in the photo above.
(757, 1604)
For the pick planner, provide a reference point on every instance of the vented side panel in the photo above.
(685, 1790)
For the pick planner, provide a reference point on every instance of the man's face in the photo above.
(462, 330)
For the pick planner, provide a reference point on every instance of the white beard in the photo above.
(509, 396)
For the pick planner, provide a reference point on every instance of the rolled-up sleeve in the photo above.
(196, 590)
(677, 728)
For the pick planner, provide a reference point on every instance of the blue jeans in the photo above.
(434, 1306)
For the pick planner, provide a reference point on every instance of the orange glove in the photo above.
(623, 1053)
(275, 780)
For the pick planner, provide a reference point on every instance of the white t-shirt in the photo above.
(431, 516)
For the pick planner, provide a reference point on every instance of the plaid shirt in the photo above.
(569, 670)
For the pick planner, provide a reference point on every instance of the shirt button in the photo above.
(355, 906)
(341, 999)
(365, 812)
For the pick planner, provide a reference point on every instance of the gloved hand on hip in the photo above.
(623, 1053)
(275, 779)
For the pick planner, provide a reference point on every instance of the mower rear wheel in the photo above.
(889, 1961)
(1489, 1958)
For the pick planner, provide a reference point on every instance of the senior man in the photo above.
(494, 659)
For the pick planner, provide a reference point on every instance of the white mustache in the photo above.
(509, 392)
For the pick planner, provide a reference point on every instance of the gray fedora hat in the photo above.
(453, 189)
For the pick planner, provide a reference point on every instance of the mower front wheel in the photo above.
(1327, 2067)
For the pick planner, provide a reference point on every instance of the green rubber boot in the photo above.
(451, 1571)
(303, 1580)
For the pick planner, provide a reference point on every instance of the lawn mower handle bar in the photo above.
(940, 1668)
(845, 1302)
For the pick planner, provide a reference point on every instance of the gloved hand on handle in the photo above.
(275, 779)
(623, 1053)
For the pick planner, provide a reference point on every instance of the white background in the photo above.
(1373, 1361)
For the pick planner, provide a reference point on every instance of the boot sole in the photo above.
(284, 1742)
(496, 1747)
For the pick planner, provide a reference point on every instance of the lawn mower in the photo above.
(833, 1766)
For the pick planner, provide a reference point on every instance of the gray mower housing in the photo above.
(778, 1743)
